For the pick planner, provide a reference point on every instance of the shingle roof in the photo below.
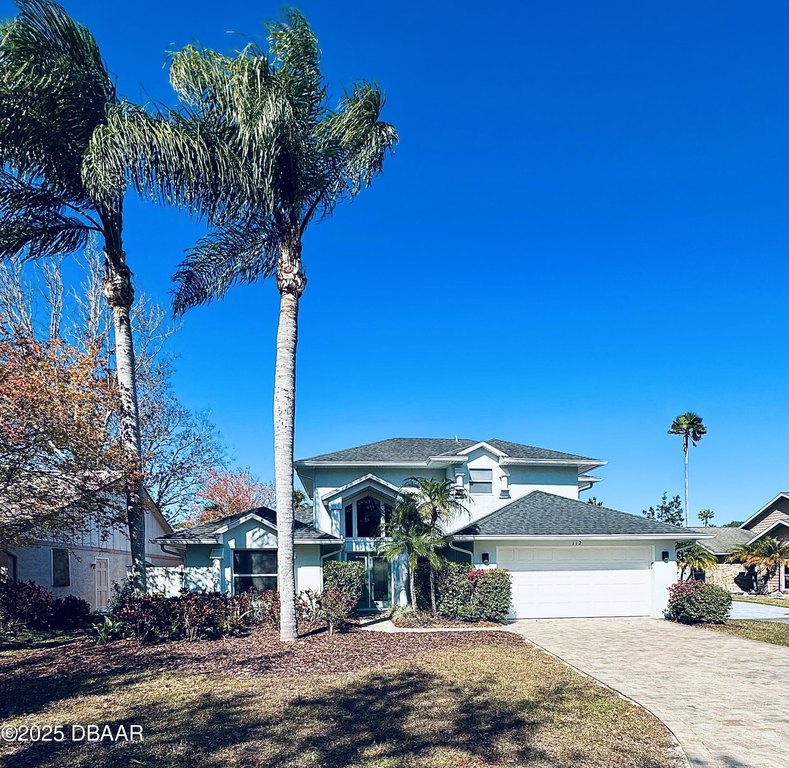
(417, 449)
(303, 530)
(545, 514)
(725, 538)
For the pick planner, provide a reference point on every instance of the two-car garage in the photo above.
(575, 581)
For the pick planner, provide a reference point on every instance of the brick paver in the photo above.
(726, 699)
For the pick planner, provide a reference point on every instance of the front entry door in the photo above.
(375, 586)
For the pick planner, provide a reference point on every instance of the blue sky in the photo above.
(583, 233)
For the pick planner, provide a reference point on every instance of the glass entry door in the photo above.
(375, 586)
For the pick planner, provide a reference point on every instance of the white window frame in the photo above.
(383, 501)
(472, 482)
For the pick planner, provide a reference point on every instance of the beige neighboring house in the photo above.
(87, 567)
(771, 520)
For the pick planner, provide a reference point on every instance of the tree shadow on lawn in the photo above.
(379, 719)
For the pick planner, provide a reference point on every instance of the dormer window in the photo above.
(480, 481)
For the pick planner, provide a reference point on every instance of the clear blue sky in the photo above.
(582, 234)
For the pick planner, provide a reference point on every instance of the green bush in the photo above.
(694, 602)
(344, 576)
(474, 594)
(69, 612)
(335, 608)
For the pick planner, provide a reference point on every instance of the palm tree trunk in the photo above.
(412, 580)
(687, 451)
(433, 591)
(291, 283)
(119, 291)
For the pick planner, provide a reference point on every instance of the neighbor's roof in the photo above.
(206, 532)
(420, 449)
(725, 539)
(545, 514)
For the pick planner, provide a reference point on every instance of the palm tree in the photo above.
(768, 554)
(695, 558)
(256, 150)
(690, 427)
(413, 543)
(705, 516)
(438, 503)
(55, 91)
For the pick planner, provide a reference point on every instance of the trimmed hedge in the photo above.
(474, 594)
(694, 602)
(345, 576)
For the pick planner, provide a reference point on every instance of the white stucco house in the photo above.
(567, 558)
(89, 565)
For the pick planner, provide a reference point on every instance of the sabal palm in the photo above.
(689, 426)
(254, 149)
(438, 503)
(695, 558)
(54, 92)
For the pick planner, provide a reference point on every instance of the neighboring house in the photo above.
(771, 520)
(89, 566)
(567, 558)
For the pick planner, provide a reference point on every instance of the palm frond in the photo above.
(224, 257)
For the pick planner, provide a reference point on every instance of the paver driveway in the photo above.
(726, 699)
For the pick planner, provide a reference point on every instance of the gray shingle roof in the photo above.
(545, 514)
(419, 449)
(304, 530)
(725, 538)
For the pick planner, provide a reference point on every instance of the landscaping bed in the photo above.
(424, 700)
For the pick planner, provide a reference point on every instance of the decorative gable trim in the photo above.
(361, 482)
(784, 522)
(752, 518)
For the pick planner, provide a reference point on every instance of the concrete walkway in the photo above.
(741, 610)
(726, 699)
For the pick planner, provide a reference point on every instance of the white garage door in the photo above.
(555, 582)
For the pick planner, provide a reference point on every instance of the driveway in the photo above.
(726, 699)
(741, 610)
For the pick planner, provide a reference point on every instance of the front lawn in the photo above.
(30, 639)
(780, 602)
(774, 632)
(373, 699)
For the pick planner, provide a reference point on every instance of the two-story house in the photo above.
(566, 557)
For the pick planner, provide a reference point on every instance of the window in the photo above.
(349, 521)
(60, 568)
(368, 517)
(699, 576)
(480, 481)
(254, 569)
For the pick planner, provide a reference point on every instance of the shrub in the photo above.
(474, 594)
(107, 629)
(24, 604)
(694, 602)
(336, 607)
(69, 612)
(344, 576)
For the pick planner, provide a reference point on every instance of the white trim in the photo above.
(782, 495)
(482, 444)
(244, 519)
(584, 537)
(368, 479)
(96, 581)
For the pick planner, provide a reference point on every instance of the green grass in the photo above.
(773, 632)
(31, 639)
(450, 708)
(781, 602)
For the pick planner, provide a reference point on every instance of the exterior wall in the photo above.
(517, 480)
(724, 576)
(663, 574)
(778, 511)
(35, 563)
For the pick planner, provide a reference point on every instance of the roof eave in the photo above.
(574, 537)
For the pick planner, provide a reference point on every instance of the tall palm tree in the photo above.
(438, 503)
(413, 543)
(55, 91)
(256, 150)
(690, 426)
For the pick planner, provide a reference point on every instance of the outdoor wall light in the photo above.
(485, 558)
(665, 555)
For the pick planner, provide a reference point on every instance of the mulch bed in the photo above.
(259, 654)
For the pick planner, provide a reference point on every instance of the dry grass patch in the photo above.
(774, 632)
(456, 700)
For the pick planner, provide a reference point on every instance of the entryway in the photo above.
(376, 590)
(102, 573)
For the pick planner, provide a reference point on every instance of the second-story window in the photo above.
(367, 518)
(480, 481)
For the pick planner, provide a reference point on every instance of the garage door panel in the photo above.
(559, 582)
